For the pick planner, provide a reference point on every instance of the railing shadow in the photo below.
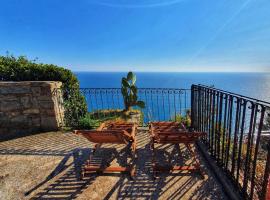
(145, 186)
(70, 184)
(64, 181)
(59, 169)
(46, 144)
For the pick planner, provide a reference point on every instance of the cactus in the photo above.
(129, 92)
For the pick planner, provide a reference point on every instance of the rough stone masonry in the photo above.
(29, 107)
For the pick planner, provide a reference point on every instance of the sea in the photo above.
(162, 105)
(255, 85)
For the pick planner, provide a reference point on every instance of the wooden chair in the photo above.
(114, 133)
(173, 133)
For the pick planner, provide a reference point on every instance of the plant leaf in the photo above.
(135, 97)
(124, 92)
(125, 82)
(133, 80)
(130, 76)
(133, 89)
(141, 104)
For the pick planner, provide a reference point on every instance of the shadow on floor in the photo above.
(67, 185)
(44, 144)
(164, 186)
(64, 181)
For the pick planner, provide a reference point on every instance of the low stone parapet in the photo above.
(29, 107)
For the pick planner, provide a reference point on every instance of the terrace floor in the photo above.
(46, 166)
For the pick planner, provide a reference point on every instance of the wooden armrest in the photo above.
(80, 132)
(101, 127)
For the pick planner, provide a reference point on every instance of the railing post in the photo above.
(266, 182)
(192, 106)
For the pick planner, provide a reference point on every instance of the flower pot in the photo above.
(134, 117)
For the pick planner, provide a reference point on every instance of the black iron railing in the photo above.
(237, 136)
(161, 103)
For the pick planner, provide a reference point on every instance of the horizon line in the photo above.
(171, 71)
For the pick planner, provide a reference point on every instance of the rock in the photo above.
(15, 90)
(36, 121)
(9, 105)
(20, 119)
(47, 104)
(48, 123)
(31, 111)
(48, 112)
(26, 101)
(36, 91)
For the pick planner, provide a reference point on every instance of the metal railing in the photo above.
(161, 103)
(237, 130)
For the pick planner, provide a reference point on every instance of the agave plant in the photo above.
(129, 92)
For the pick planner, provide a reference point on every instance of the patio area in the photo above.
(47, 166)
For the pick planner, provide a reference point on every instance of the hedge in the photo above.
(22, 69)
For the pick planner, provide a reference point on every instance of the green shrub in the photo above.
(22, 69)
(75, 106)
(87, 122)
(184, 119)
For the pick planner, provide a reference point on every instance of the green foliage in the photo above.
(87, 122)
(22, 69)
(106, 115)
(75, 106)
(184, 119)
(129, 92)
(114, 115)
(93, 119)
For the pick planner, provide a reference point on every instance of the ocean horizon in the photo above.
(251, 84)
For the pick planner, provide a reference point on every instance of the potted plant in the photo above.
(130, 96)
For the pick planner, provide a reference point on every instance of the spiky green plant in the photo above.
(129, 92)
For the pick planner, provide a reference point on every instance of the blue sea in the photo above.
(256, 85)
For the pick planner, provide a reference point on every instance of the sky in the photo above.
(140, 35)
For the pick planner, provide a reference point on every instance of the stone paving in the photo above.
(47, 166)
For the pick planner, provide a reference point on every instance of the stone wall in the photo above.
(29, 107)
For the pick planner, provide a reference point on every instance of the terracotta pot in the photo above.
(134, 117)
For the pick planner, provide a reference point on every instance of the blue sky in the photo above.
(140, 35)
